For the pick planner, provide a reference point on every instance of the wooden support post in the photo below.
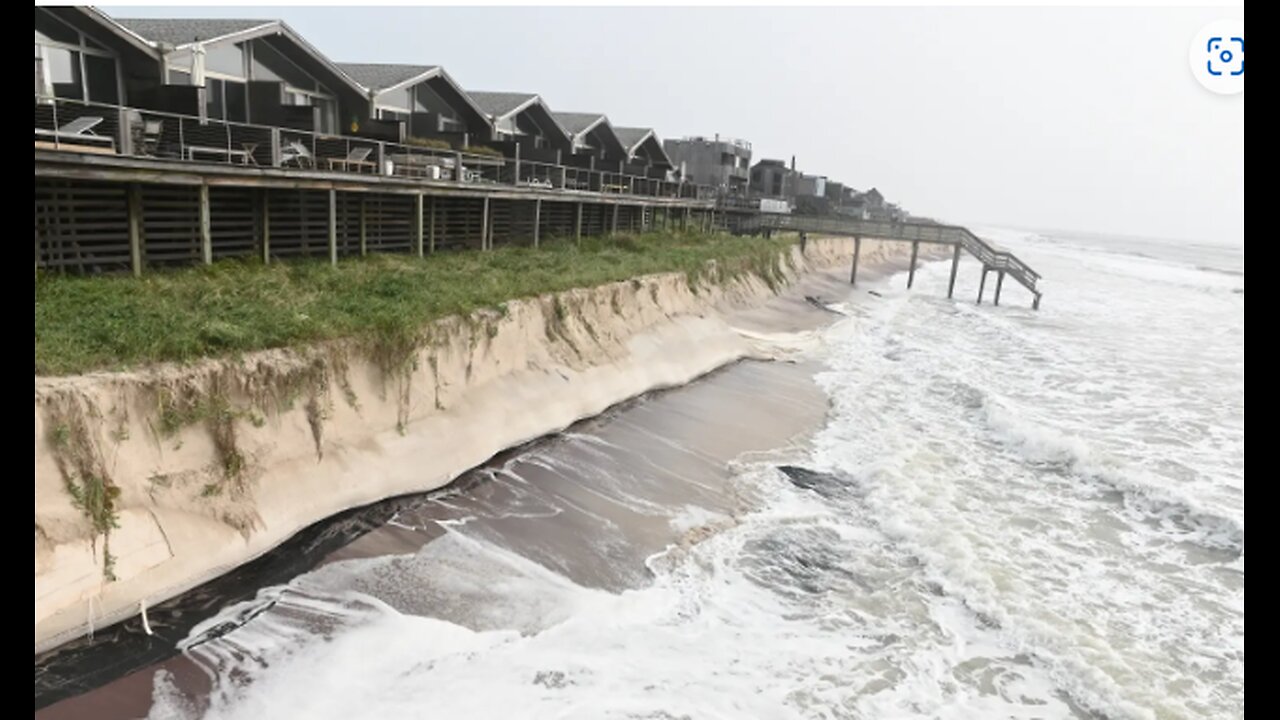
(999, 283)
(857, 250)
(911, 274)
(614, 229)
(982, 285)
(955, 265)
(266, 226)
(333, 227)
(417, 224)
(577, 226)
(364, 230)
(206, 230)
(135, 228)
(1035, 304)
(804, 240)
(484, 225)
(431, 227)
(537, 220)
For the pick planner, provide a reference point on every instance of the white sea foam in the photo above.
(1008, 514)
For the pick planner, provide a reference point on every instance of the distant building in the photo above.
(723, 164)
(814, 186)
(772, 179)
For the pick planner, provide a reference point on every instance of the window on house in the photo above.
(214, 106)
(225, 59)
(237, 101)
(100, 77)
(64, 73)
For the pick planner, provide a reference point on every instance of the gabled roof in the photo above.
(166, 34)
(579, 124)
(501, 104)
(633, 138)
(385, 76)
(183, 31)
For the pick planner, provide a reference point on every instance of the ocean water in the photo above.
(1005, 514)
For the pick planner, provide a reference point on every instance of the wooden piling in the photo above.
(364, 229)
(266, 226)
(333, 227)
(999, 283)
(577, 226)
(537, 220)
(955, 265)
(418, 217)
(911, 274)
(206, 230)
(484, 225)
(431, 226)
(982, 285)
(135, 228)
(857, 250)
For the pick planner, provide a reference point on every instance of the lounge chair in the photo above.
(297, 153)
(358, 157)
(79, 134)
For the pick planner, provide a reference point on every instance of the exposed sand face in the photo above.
(354, 434)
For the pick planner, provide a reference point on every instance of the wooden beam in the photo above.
(955, 265)
(333, 227)
(135, 228)
(266, 226)
(364, 230)
(431, 227)
(206, 230)
(537, 220)
(417, 224)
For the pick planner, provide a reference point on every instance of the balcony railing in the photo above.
(88, 127)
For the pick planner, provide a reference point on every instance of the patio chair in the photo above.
(297, 154)
(80, 132)
(358, 157)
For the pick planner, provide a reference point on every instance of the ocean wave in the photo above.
(1141, 491)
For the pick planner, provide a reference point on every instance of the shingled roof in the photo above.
(501, 104)
(380, 76)
(181, 31)
(578, 123)
(631, 137)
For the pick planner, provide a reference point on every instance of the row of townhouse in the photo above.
(263, 73)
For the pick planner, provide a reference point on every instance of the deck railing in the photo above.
(141, 133)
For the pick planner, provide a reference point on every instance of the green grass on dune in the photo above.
(231, 307)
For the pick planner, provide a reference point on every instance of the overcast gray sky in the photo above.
(1073, 118)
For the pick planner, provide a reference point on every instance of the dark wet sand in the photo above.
(591, 503)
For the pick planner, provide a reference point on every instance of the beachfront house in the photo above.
(423, 101)
(524, 121)
(595, 144)
(723, 164)
(82, 55)
(772, 179)
(245, 71)
(645, 155)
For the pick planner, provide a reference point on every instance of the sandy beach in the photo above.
(682, 441)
